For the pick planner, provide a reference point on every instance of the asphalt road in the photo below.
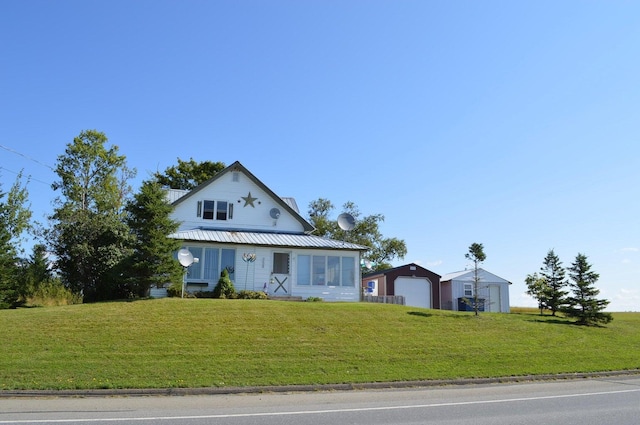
(613, 400)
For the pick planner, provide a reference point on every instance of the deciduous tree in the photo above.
(537, 288)
(477, 255)
(366, 232)
(89, 236)
(188, 174)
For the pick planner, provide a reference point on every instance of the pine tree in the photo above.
(554, 275)
(583, 304)
(152, 262)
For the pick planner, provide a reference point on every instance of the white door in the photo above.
(416, 291)
(494, 299)
(280, 284)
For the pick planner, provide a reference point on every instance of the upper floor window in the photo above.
(468, 290)
(215, 210)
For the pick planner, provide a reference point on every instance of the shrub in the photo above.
(314, 299)
(251, 295)
(224, 288)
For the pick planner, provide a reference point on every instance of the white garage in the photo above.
(416, 291)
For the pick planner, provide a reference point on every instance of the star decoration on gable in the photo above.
(248, 200)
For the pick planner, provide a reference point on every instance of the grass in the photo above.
(173, 343)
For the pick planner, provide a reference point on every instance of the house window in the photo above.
(468, 290)
(281, 263)
(348, 271)
(326, 270)
(333, 271)
(215, 210)
(211, 262)
(318, 270)
(304, 270)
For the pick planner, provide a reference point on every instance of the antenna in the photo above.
(346, 221)
(185, 257)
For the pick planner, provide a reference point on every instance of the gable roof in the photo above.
(285, 203)
(386, 271)
(467, 276)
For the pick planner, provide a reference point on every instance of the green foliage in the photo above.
(314, 300)
(251, 295)
(554, 275)
(152, 262)
(52, 293)
(477, 255)
(583, 304)
(174, 290)
(188, 174)
(224, 288)
(14, 220)
(538, 289)
(89, 236)
(366, 232)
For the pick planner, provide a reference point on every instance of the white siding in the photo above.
(247, 218)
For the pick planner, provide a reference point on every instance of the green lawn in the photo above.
(171, 343)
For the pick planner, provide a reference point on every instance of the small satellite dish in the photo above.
(185, 257)
(274, 213)
(346, 221)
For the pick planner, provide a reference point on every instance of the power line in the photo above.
(26, 156)
(29, 177)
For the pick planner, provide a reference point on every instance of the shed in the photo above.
(419, 286)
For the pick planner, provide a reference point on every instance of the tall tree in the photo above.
(477, 255)
(152, 262)
(537, 288)
(366, 232)
(15, 214)
(554, 275)
(188, 174)
(89, 236)
(583, 304)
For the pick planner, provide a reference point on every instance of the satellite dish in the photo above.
(274, 213)
(346, 221)
(185, 257)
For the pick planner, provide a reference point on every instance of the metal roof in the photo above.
(264, 239)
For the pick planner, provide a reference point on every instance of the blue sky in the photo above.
(514, 124)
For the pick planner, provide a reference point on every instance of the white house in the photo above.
(234, 221)
(457, 287)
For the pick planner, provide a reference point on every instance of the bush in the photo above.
(224, 288)
(53, 293)
(251, 295)
(314, 299)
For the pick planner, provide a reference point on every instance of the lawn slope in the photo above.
(172, 343)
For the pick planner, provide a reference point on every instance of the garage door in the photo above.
(416, 291)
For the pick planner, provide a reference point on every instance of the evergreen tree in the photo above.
(14, 220)
(477, 255)
(554, 276)
(224, 287)
(583, 304)
(152, 261)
